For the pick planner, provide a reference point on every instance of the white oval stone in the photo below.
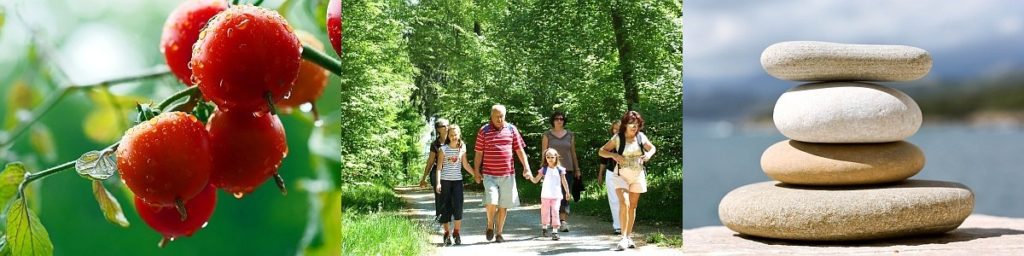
(913, 207)
(823, 61)
(846, 112)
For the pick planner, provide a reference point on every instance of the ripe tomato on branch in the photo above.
(247, 149)
(246, 58)
(334, 24)
(166, 160)
(181, 30)
(167, 221)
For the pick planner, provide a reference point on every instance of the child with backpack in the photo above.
(551, 193)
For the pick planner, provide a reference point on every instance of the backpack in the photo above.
(487, 128)
(622, 147)
(544, 170)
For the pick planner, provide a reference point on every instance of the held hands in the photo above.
(476, 176)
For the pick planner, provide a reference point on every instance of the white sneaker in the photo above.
(564, 227)
(622, 244)
(632, 245)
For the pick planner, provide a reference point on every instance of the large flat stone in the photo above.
(914, 207)
(823, 61)
(846, 112)
(804, 163)
(979, 235)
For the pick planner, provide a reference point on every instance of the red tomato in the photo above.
(247, 149)
(244, 53)
(334, 24)
(165, 159)
(181, 30)
(167, 221)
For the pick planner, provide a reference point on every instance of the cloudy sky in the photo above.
(724, 39)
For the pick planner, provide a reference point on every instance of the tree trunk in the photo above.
(625, 57)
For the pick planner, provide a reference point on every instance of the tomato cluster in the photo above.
(245, 59)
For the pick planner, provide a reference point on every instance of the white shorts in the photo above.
(632, 181)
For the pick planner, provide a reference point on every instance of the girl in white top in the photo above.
(635, 150)
(551, 192)
(449, 182)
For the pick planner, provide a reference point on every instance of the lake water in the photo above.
(718, 157)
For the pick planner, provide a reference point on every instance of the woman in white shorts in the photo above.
(631, 179)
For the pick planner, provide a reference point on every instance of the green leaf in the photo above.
(109, 205)
(319, 13)
(20, 100)
(25, 234)
(10, 179)
(42, 141)
(102, 126)
(96, 165)
(109, 119)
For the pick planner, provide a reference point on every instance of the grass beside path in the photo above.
(372, 225)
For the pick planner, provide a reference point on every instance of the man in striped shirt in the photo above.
(495, 143)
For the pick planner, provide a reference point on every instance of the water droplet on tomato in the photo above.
(243, 24)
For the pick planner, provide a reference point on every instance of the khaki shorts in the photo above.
(634, 181)
(501, 191)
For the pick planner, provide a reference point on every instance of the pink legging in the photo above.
(549, 212)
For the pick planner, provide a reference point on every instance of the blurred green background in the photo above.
(48, 45)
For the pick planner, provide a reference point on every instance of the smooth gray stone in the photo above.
(913, 207)
(846, 112)
(823, 61)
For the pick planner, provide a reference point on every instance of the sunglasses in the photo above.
(439, 127)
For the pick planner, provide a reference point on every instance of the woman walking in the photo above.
(563, 141)
(607, 169)
(635, 149)
(441, 130)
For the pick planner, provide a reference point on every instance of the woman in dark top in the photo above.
(563, 141)
(441, 130)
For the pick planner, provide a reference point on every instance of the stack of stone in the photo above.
(843, 175)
